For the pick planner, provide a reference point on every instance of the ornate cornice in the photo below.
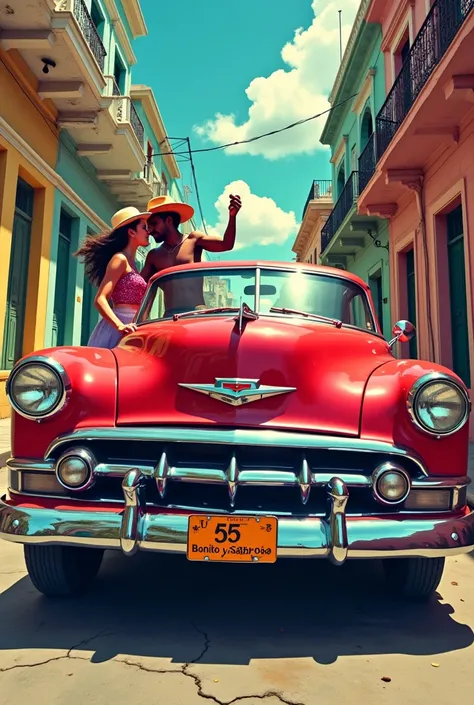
(362, 11)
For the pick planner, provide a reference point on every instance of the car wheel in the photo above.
(61, 571)
(414, 578)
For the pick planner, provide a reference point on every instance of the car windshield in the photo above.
(274, 292)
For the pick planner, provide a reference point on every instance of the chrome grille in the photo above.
(232, 477)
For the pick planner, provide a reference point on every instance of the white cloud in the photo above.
(289, 95)
(260, 220)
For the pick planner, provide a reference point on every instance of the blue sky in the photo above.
(201, 58)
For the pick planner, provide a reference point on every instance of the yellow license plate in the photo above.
(236, 539)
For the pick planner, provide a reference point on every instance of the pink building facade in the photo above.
(418, 171)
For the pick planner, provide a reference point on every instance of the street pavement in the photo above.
(160, 630)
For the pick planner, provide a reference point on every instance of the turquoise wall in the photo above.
(371, 259)
(124, 19)
(81, 176)
(369, 262)
(74, 291)
(351, 125)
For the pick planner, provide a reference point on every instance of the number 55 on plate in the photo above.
(234, 539)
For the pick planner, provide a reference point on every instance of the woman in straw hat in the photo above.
(110, 264)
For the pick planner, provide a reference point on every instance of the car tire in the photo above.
(414, 578)
(62, 571)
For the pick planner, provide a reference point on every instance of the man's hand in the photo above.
(234, 206)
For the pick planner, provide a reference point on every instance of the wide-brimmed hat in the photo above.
(166, 204)
(127, 215)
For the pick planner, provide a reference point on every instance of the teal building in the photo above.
(354, 242)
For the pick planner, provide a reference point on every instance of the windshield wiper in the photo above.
(316, 316)
(205, 311)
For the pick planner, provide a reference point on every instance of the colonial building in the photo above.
(418, 169)
(318, 206)
(77, 142)
(351, 239)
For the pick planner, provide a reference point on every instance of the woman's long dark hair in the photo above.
(97, 250)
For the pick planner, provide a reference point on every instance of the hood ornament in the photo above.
(237, 392)
(245, 314)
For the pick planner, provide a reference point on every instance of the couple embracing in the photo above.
(109, 259)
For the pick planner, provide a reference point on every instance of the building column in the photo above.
(38, 270)
(9, 167)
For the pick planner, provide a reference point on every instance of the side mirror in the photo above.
(403, 332)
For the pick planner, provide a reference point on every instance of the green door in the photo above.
(62, 277)
(411, 298)
(18, 275)
(457, 295)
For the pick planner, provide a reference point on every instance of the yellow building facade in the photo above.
(318, 206)
(28, 153)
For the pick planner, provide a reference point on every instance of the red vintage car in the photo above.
(257, 413)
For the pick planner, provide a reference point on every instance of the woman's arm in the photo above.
(115, 269)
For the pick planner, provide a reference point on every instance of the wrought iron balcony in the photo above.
(437, 33)
(320, 188)
(367, 163)
(339, 213)
(89, 30)
(137, 124)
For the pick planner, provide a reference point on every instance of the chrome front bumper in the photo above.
(336, 536)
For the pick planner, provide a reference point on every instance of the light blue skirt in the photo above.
(104, 335)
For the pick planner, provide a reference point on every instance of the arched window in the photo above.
(341, 178)
(366, 129)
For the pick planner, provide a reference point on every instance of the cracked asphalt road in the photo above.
(167, 632)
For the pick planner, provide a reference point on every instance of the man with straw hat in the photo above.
(166, 217)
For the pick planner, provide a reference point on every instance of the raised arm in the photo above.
(115, 269)
(214, 243)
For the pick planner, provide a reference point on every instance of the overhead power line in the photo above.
(189, 157)
(257, 137)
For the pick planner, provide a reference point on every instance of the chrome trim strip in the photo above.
(45, 361)
(418, 387)
(163, 472)
(235, 437)
(404, 513)
(377, 537)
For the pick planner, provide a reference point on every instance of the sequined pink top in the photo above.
(130, 289)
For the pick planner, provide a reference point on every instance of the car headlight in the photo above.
(438, 404)
(38, 387)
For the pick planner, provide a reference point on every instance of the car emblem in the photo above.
(237, 391)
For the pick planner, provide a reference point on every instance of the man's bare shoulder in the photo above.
(154, 254)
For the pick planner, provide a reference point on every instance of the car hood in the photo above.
(326, 368)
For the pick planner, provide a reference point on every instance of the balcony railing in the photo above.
(89, 30)
(367, 163)
(436, 35)
(339, 213)
(319, 189)
(431, 43)
(123, 110)
(137, 124)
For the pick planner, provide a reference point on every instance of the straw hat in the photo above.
(166, 204)
(127, 215)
